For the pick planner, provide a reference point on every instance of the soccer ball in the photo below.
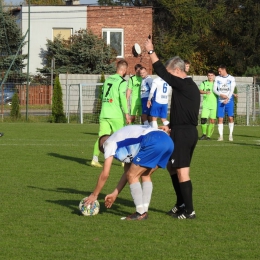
(89, 210)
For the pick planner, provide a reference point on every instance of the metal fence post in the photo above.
(247, 105)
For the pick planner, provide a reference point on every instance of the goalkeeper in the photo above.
(209, 106)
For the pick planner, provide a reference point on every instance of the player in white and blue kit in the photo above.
(224, 88)
(145, 90)
(143, 149)
(158, 101)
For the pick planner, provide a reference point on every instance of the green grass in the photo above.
(44, 175)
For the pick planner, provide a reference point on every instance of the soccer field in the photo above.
(44, 176)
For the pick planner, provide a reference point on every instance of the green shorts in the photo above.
(209, 113)
(136, 107)
(110, 125)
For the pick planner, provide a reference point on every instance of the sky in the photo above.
(17, 2)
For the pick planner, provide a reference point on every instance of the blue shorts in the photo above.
(225, 108)
(156, 149)
(145, 109)
(159, 110)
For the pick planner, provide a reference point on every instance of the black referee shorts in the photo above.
(185, 139)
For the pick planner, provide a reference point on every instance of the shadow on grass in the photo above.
(76, 159)
(73, 204)
(86, 133)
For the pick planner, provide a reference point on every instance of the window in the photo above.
(64, 33)
(115, 38)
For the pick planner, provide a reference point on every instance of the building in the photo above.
(121, 27)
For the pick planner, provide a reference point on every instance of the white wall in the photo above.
(43, 19)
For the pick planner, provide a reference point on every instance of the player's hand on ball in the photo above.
(90, 200)
(109, 200)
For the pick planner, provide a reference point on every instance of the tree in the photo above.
(10, 40)
(58, 115)
(83, 53)
(46, 2)
(15, 110)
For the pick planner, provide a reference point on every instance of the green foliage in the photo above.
(83, 53)
(58, 115)
(46, 2)
(15, 109)
(10, 40)
(254, 71)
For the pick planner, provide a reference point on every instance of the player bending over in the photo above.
(143, 149)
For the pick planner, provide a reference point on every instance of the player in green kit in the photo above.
(114, 110)
(209, 106)
(134, 85)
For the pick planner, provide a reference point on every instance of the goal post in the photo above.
(82, 101)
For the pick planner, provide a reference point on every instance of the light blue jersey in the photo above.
(146, 86)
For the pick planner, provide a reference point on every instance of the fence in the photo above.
(86, 106)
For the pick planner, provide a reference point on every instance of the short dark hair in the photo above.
(143, 68)
(100, 146)
(138, 66)
(122, 63)
(187, 62)
(222, 66)
(211, 72)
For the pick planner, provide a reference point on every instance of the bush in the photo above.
(58, 115)
(15, 110)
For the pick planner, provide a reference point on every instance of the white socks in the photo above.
(231, 128)
(141, 197)
(147, 194)
(154, 124)
(220, 129)
(95, 158)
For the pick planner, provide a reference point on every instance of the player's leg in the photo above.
(220, 115)
(145, 111)
(104, 128)
(115, 125)
(212, 118)
(133, 111)
(133, 175)
(154, 112)
(230, 113)
(203, 121)
(180, 162)
(156, 148)
(147, 187)
(164, 113)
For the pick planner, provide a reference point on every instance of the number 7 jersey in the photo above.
(114, 101)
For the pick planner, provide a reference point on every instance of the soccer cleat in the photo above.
(203, 137)
(176, 210)
(208, 139)
(220, 138)
(185, 215)
(1, 134)
(96, 164)
(137, 216)
(230, 138)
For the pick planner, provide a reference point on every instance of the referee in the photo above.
(185, 103)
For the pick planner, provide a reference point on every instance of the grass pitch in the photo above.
(45, 173)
